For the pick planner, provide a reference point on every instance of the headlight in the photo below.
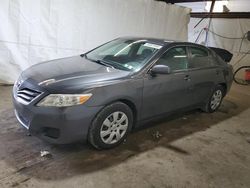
(62, 100)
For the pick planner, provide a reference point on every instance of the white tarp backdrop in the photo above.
(34, 31)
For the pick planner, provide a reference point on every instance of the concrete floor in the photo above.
(194, 150)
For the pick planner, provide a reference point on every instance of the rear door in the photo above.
(203, 73)
(164, 93)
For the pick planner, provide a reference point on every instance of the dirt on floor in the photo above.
(193, 149)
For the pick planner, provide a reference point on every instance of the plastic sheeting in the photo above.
(34, 31)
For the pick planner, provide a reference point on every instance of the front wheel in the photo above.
(215, 99)
(111, 126)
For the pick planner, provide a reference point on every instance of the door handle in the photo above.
(187, 77)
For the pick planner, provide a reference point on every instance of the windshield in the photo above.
(124, 54)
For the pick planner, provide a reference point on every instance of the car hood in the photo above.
(73, 73)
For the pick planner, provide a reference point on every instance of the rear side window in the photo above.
(175, 58)
(199, 58)
(198, 52)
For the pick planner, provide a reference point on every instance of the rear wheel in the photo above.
(111, 126)
(215, 99)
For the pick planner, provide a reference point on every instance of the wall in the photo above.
(232, 28)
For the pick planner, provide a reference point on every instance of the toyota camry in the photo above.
(101, 95)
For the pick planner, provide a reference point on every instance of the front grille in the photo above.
(27, 95)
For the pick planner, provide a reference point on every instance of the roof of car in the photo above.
(162, 41)
(154, 40)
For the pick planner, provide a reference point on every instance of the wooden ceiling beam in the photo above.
(220, 15)
(183, 1)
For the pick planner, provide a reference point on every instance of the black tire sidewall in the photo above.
(94, 131)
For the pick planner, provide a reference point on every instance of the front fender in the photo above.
(130, 90)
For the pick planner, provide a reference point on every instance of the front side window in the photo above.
(175, 58)
(125, 54)
(199, 58)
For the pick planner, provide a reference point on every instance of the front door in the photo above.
(164, 93)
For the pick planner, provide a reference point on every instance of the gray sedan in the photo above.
(100, 96)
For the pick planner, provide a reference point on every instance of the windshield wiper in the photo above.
(99, 61)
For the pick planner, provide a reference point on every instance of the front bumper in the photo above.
(56, 125)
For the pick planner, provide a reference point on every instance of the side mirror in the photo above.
(160, 69)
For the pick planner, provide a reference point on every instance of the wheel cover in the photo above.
(114, 127)
(216, 99)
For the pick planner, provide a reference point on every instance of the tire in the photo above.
(111, 126)
(215, 99)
